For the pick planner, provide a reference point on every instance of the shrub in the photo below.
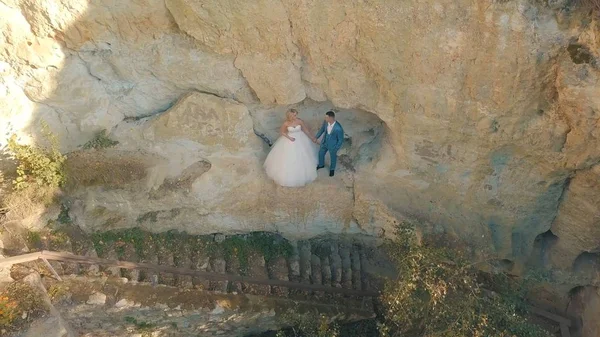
(438, 293)
(8, 311)
(38, 167)
(16, 299)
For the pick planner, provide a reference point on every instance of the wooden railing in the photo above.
(45, 255)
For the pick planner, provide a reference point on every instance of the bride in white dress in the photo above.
(292, 161)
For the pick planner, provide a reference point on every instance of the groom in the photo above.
(332, 142)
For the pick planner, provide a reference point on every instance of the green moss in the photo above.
(236, 247)
(239, 246)
(269, 245)
(102, 240)
(150, 216)
(118, 239)
(170, 240)
(64, 217)
(100, 141)
(34, 239)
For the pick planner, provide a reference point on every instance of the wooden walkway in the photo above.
(45, 255)
(67, 257)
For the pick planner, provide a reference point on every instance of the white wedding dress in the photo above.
(292, 164)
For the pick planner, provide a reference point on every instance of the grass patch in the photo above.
(100, 141)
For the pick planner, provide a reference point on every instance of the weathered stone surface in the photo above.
(97, 299)
(470, 115)
(49, 326)
(207, 120)
(584, 305)
(577, 225)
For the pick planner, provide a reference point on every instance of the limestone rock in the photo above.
(479, 118)
(49, 326)
(576, 224)
(274, 82)
(208, 120)
(584, 305)
(96, 299)
(125, 303)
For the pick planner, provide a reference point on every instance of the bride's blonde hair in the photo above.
(289, 113)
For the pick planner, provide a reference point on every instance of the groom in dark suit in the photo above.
(332, 142)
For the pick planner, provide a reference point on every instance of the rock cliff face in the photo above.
(480, 117)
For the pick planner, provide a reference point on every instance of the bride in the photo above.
(292, 161)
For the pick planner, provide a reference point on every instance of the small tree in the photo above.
(439, 294)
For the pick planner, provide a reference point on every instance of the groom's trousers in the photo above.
(332, 155)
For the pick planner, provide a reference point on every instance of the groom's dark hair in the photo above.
(330, 114)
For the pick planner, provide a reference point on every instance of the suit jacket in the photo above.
(333, 141)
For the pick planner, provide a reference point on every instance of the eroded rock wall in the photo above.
(480, 117)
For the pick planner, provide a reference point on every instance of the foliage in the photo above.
(19, 298)
(38, 167)
(100, 141)
(438, 293)
(8, 311)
